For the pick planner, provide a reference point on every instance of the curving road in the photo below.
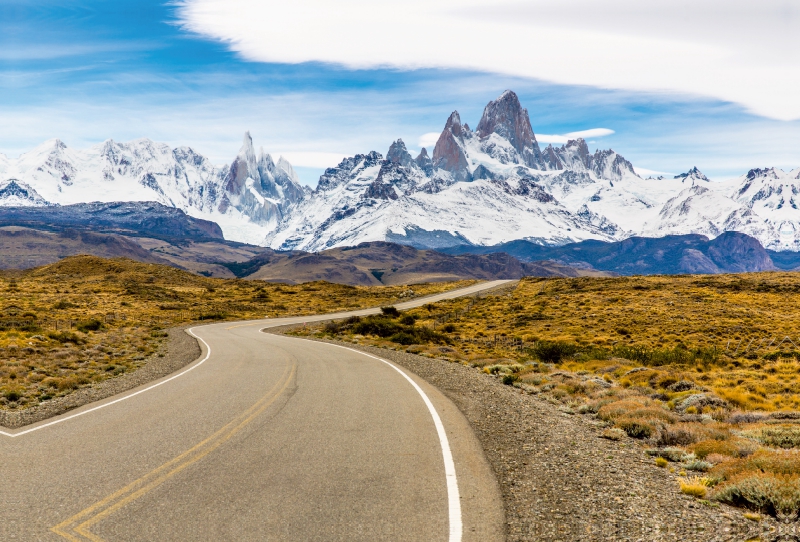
(265, 437)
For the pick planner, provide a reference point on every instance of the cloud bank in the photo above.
(738, 51)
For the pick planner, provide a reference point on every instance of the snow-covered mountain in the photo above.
(483, 187)
(495, 184)
(247, 198)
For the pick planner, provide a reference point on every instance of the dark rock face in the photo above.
(449, 153)
(694, 172)
(347, 169)
(131, 218)
(398, 154)
(19, 192)
(380, 190)
(424, 161)
(506, 118)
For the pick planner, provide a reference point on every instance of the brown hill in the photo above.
(378, 263)
(388, 263)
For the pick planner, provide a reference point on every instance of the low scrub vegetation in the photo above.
(703, 372)
(86, 319)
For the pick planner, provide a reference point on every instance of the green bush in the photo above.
(404, 338)
(408, 320)
(777, 495)
(212, 316)
(391, 312)
(553, 351)
(636, 428)
(65, 337)
(508, 380)
(89, 325)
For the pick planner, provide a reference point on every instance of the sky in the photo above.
(667, 84)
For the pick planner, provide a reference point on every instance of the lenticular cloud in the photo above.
(737, 51)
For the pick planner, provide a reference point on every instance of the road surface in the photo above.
(265, 437)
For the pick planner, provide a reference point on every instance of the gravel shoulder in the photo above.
(559, 479)
(179, 350)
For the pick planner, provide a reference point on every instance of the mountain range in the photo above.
(154, 233)
(478, 188)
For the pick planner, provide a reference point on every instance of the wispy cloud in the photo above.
(562, 139)
(683, 46)
(428, 140)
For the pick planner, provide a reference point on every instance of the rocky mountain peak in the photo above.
(398, 154)
(453, 124)
(506, 117)
(14, 193)
(424, 161)
(693, 173)
(448, 154)
(247, 150)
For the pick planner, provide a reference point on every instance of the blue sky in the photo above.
(88, 71)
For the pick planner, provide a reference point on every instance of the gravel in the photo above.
(561, 481)
(178, 350)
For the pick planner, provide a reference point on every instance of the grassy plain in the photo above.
(85, 319)
(703, 370)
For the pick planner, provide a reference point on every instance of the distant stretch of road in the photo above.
(265, 437)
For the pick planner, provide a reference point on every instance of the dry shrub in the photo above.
(632, 408)
(696, 486)
(776, 436)
(613, 433)
(741, 399)
(774, 462)
(716, 459)
(732, 448)
(68, 383)
(774, 494)
(635, 427)
(683, 434)
(643, 377)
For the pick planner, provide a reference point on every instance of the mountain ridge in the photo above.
(483, 187)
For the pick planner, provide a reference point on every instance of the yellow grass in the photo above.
(679, 363)
(85, 319)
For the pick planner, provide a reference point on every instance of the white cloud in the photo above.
(428, 140)
(738, 50)
(562, 139)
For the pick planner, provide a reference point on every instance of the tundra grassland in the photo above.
(702, 371)
(85, 319)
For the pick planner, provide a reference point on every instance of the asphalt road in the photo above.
(265, 437)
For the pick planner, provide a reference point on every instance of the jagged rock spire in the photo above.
(506, 117)
(448, 154)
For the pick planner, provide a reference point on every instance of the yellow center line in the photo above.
(156, 477)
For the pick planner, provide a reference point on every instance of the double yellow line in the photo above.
(77, 527)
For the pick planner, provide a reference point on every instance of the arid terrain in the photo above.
(83, 320)
(702, 372)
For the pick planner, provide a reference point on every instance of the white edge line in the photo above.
(453, 497)
(115, 401)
